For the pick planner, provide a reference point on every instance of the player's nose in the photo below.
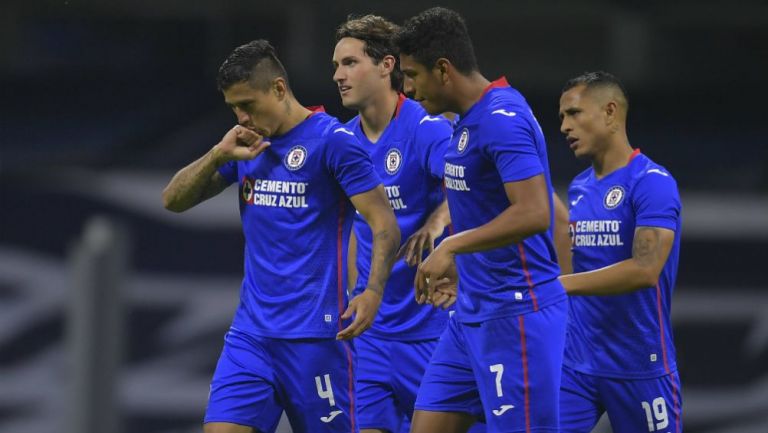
(408, 89)
(242, 117)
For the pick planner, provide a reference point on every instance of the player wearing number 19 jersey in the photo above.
(625, 228)
(299, 173)
(501, 355)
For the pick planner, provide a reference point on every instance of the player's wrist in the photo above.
(219, 156)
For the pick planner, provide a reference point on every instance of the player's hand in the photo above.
(437, 266)
(364, 308)
(424, 239)
(444, 293)
(239, 144)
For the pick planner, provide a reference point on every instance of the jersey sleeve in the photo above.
(349, 162)
(511, 145)
(656, 200)
(229, 172)
(432, 139)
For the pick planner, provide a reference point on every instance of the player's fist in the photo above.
(239, 144)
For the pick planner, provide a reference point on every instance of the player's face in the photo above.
(423, 84)
(258, 110)
(356, 75)
(582, 120)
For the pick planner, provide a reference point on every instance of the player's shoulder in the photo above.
(332, 129)
(583, 178)
(413, 116)
(644, 168)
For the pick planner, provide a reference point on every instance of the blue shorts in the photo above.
(258, 377)
(633, 405)
(388, 376)
(505, 371)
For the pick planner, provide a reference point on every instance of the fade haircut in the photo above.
(599, 80)
(378, 35)
(255, 63)
(438, 33)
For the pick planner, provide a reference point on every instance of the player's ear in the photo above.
(388, 64)
(611, 115)
(442, 66)
(279, 87)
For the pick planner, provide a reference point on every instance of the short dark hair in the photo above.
(597, 79)
(255, 62)
(377, 33)
(438, 33)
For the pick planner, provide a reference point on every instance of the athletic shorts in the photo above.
(388, 376)
(311, 379)
(633, 405)
(505, 371)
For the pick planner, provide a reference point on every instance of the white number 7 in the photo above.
(499, 370)
(326, 392)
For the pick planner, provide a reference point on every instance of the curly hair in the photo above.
(438, 33)
(377, 34)
(255, 62)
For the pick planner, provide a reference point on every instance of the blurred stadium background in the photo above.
(112, 310)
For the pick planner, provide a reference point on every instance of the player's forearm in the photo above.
(190, 184)
(437, 221)
(562, 237)
(352, 262)
(386, 240)
(622, 277)
(516, 223)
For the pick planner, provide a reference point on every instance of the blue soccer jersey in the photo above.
(497, 141)
(409, 159)
(296, 218)
(623, 336)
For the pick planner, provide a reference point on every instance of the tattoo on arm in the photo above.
(646, 247)
(384, 247)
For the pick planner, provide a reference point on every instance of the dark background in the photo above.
(103, 101)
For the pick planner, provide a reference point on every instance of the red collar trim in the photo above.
(501, 82)
(633, 155)
(315, 109)
(400, 99)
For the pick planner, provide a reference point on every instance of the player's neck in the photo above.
(615, 156)
(468, 89)
(295, 113)
(377, 114)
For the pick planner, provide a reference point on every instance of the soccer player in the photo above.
(500, 358)
(407, 147)
(625, 224)
(297, 170)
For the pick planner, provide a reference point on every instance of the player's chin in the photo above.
(431, 108)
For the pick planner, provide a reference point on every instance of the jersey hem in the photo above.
(514, 311)
(617, 375)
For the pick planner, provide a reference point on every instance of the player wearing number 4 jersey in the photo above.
(625, 227)
(500, 357)
(299, 173)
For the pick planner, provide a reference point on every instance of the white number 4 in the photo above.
(499, 370)
(659, 414)
(327, 391)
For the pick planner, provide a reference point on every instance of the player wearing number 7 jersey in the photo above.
(500, 357)
(625, 226)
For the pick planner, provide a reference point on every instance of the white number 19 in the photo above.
(658, 414)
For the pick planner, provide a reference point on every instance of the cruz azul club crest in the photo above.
(295, 158)
(613, 197)
(393, 161)
(463, 140)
